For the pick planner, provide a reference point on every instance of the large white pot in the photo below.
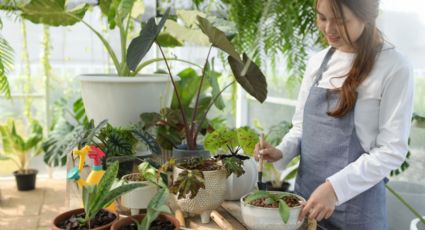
(259, 218)
(399, 217)
(236, 187)
(138, 198)
(207, 199)
(121, 100)
(417, 225)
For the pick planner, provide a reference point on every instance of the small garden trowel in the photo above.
(260, 184)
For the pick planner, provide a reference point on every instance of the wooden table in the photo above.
(231, 211)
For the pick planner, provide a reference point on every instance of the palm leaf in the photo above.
(6, 64)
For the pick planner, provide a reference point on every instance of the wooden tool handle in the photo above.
(261, 156)
(179, 216)
(220, 221)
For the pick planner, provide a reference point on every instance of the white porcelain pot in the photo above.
(139, 198)
(121, 100)
(259, 218)
(236, 187)
(399, 217)
(207, 199)
(417, 225)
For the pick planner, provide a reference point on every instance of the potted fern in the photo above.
(20, 150)
(95, 199)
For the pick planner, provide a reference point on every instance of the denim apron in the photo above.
(328, 144)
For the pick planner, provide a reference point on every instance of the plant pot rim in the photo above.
(141, 216)
(30, 172)
(79, 210)
(266, 208)
(130, 174)
(101, 77)
(220, 169)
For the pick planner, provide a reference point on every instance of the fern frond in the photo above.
(6, 65)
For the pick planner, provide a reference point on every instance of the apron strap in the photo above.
(323, 66)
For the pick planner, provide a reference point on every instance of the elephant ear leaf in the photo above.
(52, 12)
(140, 45)
(218, 38)
(254, 82)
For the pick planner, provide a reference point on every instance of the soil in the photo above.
(291, 201)
(207, 165)
(102, 218)
(25, 172)
(134, 177)
(156, 225)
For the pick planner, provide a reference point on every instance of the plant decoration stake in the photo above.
(260, 184)
(95, 174)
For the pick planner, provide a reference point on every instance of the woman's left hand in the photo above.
(321, 204)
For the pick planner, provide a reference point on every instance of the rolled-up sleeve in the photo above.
(395, 111)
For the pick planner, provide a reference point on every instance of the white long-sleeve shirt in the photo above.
(382, 117)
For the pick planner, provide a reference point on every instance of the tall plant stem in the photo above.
(195, 110)
(27, 84)
(402, 200)
(209, 107)
(186, 125)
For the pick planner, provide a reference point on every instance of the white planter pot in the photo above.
(417, 225)
(139, 198)
(259, 218)
(207, 199)
(399, 217)
(236, 187)
(121, 100)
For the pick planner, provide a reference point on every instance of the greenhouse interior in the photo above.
(207, 115)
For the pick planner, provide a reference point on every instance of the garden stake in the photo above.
(260, 184)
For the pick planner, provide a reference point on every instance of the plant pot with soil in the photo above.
(155, 217)
(139, 198)
(268, 210)
(227, 143)
(20, 150)
(95, 199)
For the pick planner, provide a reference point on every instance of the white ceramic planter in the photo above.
(259, 218)
(236, 187)
(416, 225)
(121, 100)
(207, 199)
(399, 217)
(139, 198)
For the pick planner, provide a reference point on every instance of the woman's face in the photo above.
(333, 28)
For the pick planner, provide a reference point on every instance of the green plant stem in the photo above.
(27, 83)
(195, 110)
(146, 63)
(209, 107)
(104, 42)
(186, 126)
(402, 200)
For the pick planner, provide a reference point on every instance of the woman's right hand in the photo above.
(269, 152)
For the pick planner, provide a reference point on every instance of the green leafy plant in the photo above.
(246, 73)
(281, 200)
(18, 148)
(121, 14)
(117, 141)
(155, 207)
(6, 64)
(96, 197)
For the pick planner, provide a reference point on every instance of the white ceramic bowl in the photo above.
(259, 218)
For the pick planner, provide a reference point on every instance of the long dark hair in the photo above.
(367, 46)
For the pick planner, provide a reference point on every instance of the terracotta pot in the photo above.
(128, 220)
(67, 215)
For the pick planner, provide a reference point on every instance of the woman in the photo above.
(351, 122)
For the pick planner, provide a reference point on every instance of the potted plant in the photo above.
(155, 217)
(129, 94)
(246, 73)
(139, 199)
(20, 150)
(95, 199)
(225, 140)
(268, 210)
